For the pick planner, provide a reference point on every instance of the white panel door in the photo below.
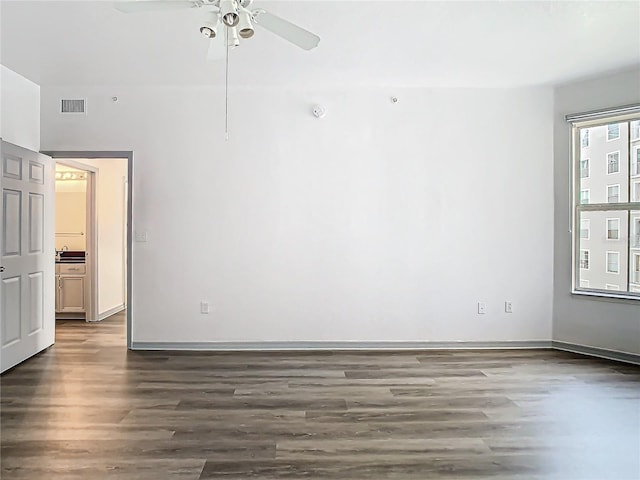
(27, 254)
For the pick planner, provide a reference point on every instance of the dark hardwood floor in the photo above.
(88, 409)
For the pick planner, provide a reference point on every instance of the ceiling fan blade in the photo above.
(155, 5)
(217, 47)
(287, 30)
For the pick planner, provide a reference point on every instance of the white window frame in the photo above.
(616, 185)
(630, 130)
(625, 206)
(613, 138)
(617, 254)
(584, 283)
(617, 153)
(611, 286)
(617, 220)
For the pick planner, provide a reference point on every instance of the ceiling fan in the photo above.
(227, 21)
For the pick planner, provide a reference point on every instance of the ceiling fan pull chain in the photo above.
(226, 87)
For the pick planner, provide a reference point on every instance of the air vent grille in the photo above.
(73, 105)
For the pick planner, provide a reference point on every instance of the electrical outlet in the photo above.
(482, 308)
(204, 307)
(508, 307)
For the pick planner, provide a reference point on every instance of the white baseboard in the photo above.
(111, 311)
(323, 346)
(597, 352)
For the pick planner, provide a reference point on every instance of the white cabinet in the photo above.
(70, 295)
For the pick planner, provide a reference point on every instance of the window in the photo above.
(613, 162)
(584, 259)
(635, 191)
(613, 229)
(584, 138)
(584, 228)
(635, 233)
(584, 168)
(611, 286)
(584, 196)
(606, 212)
(613, 262)
(635, 268)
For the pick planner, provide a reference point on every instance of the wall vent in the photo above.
(77, 105)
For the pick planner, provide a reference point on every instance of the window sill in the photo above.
(607, 296)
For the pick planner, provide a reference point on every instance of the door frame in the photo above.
(105, 155)
(91, 238)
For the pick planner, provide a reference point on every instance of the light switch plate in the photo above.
(141, 236)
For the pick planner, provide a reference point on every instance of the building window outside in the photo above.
(611, 286)
(635, 191)
(584, 229)
(613, 162)
(584, 138)
(584, 259)
(613, 229)
(613, 262)
(584, 196)
(635, 269)
(605, 205)
(584, 168)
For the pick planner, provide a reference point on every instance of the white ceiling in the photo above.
(413, 43)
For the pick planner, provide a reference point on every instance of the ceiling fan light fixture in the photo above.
(229, 13)
(245, 26)
(232, 37)
(209, 28)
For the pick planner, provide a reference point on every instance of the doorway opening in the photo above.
(93, 235)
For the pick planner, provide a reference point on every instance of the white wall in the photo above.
(608, 324)
(71, 217)
(380, 222)
(19, 110)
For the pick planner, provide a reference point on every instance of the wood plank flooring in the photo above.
(89, 409)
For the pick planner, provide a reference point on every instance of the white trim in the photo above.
(338, 345)
(612, 252)
(111, 311)
(597, 115)
(612, 287)
(617, 355)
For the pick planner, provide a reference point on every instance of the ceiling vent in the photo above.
(77, 105)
